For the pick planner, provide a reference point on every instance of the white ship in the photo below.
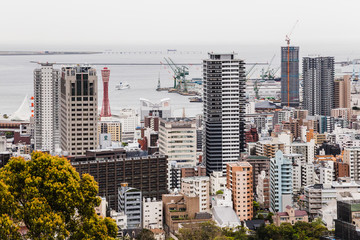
(122, 86)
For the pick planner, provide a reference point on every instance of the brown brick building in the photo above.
(111, 168)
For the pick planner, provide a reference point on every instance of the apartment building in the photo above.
(197, 186)
(177, 140)
(240, 182)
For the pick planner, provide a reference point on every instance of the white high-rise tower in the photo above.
(224, 109)
(46, 107)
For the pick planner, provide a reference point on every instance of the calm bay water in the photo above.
(16, 73)
(16, 79)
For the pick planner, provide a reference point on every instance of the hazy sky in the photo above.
(199, 22)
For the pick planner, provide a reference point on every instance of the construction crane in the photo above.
(269, 74)
(250, 70)
(180, 73)
(287, 39)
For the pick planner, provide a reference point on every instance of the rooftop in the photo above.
(225, 215)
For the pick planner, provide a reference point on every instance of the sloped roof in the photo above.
(225, 215)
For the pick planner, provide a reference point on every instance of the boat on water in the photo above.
(122, 86)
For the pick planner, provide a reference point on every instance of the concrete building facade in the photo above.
(197, 186)
(280, 182)
(79, 110)
(224, 110)
(318, 74)
(130, 202)
(290, 76)
(152, 213)
(239, 179)
(46, 107)
(177, 140)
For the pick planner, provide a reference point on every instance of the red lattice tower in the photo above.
(105, 110)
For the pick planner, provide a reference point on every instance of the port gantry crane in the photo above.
(180, 73)
(287, 39)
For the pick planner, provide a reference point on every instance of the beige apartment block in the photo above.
(78, 110)
(111, 126)
(177, 140)
(197, 186)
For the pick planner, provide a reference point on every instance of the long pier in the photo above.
(136, 64)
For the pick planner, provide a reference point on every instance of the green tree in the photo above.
(219, 192)
(145, 234)
(200, 231)
(47, 196)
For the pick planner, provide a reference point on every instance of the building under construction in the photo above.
(290, 76)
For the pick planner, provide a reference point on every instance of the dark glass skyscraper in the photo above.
(318, 74)
(290, 76)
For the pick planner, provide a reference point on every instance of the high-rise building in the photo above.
(177, 140)
(239, 180)
(105, 110)
(46, 107)
(342, 92)
(290, 76)
(224, 109)
(280, 182)
(79, 110)
(318, 75)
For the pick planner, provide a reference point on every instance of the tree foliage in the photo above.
(209, 231)
(145, 234)
(47, 197)
(219, 192)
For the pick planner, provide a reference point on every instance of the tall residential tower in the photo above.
(78, 110)
(290, 76)
(318, 74)
(224, 109)
(46, 107)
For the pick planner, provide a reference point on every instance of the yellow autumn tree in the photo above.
(47, 199)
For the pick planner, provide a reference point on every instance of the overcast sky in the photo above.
(197, 22)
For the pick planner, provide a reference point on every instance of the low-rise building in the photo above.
(197, 186)
(152, 214)
(120, 219)
(291, 216)
(319, 195)
(222, 200)
(130, 202)
(181, 209)
(263, 190)
(217, 182)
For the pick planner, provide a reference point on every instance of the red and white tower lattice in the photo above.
(105, 110)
